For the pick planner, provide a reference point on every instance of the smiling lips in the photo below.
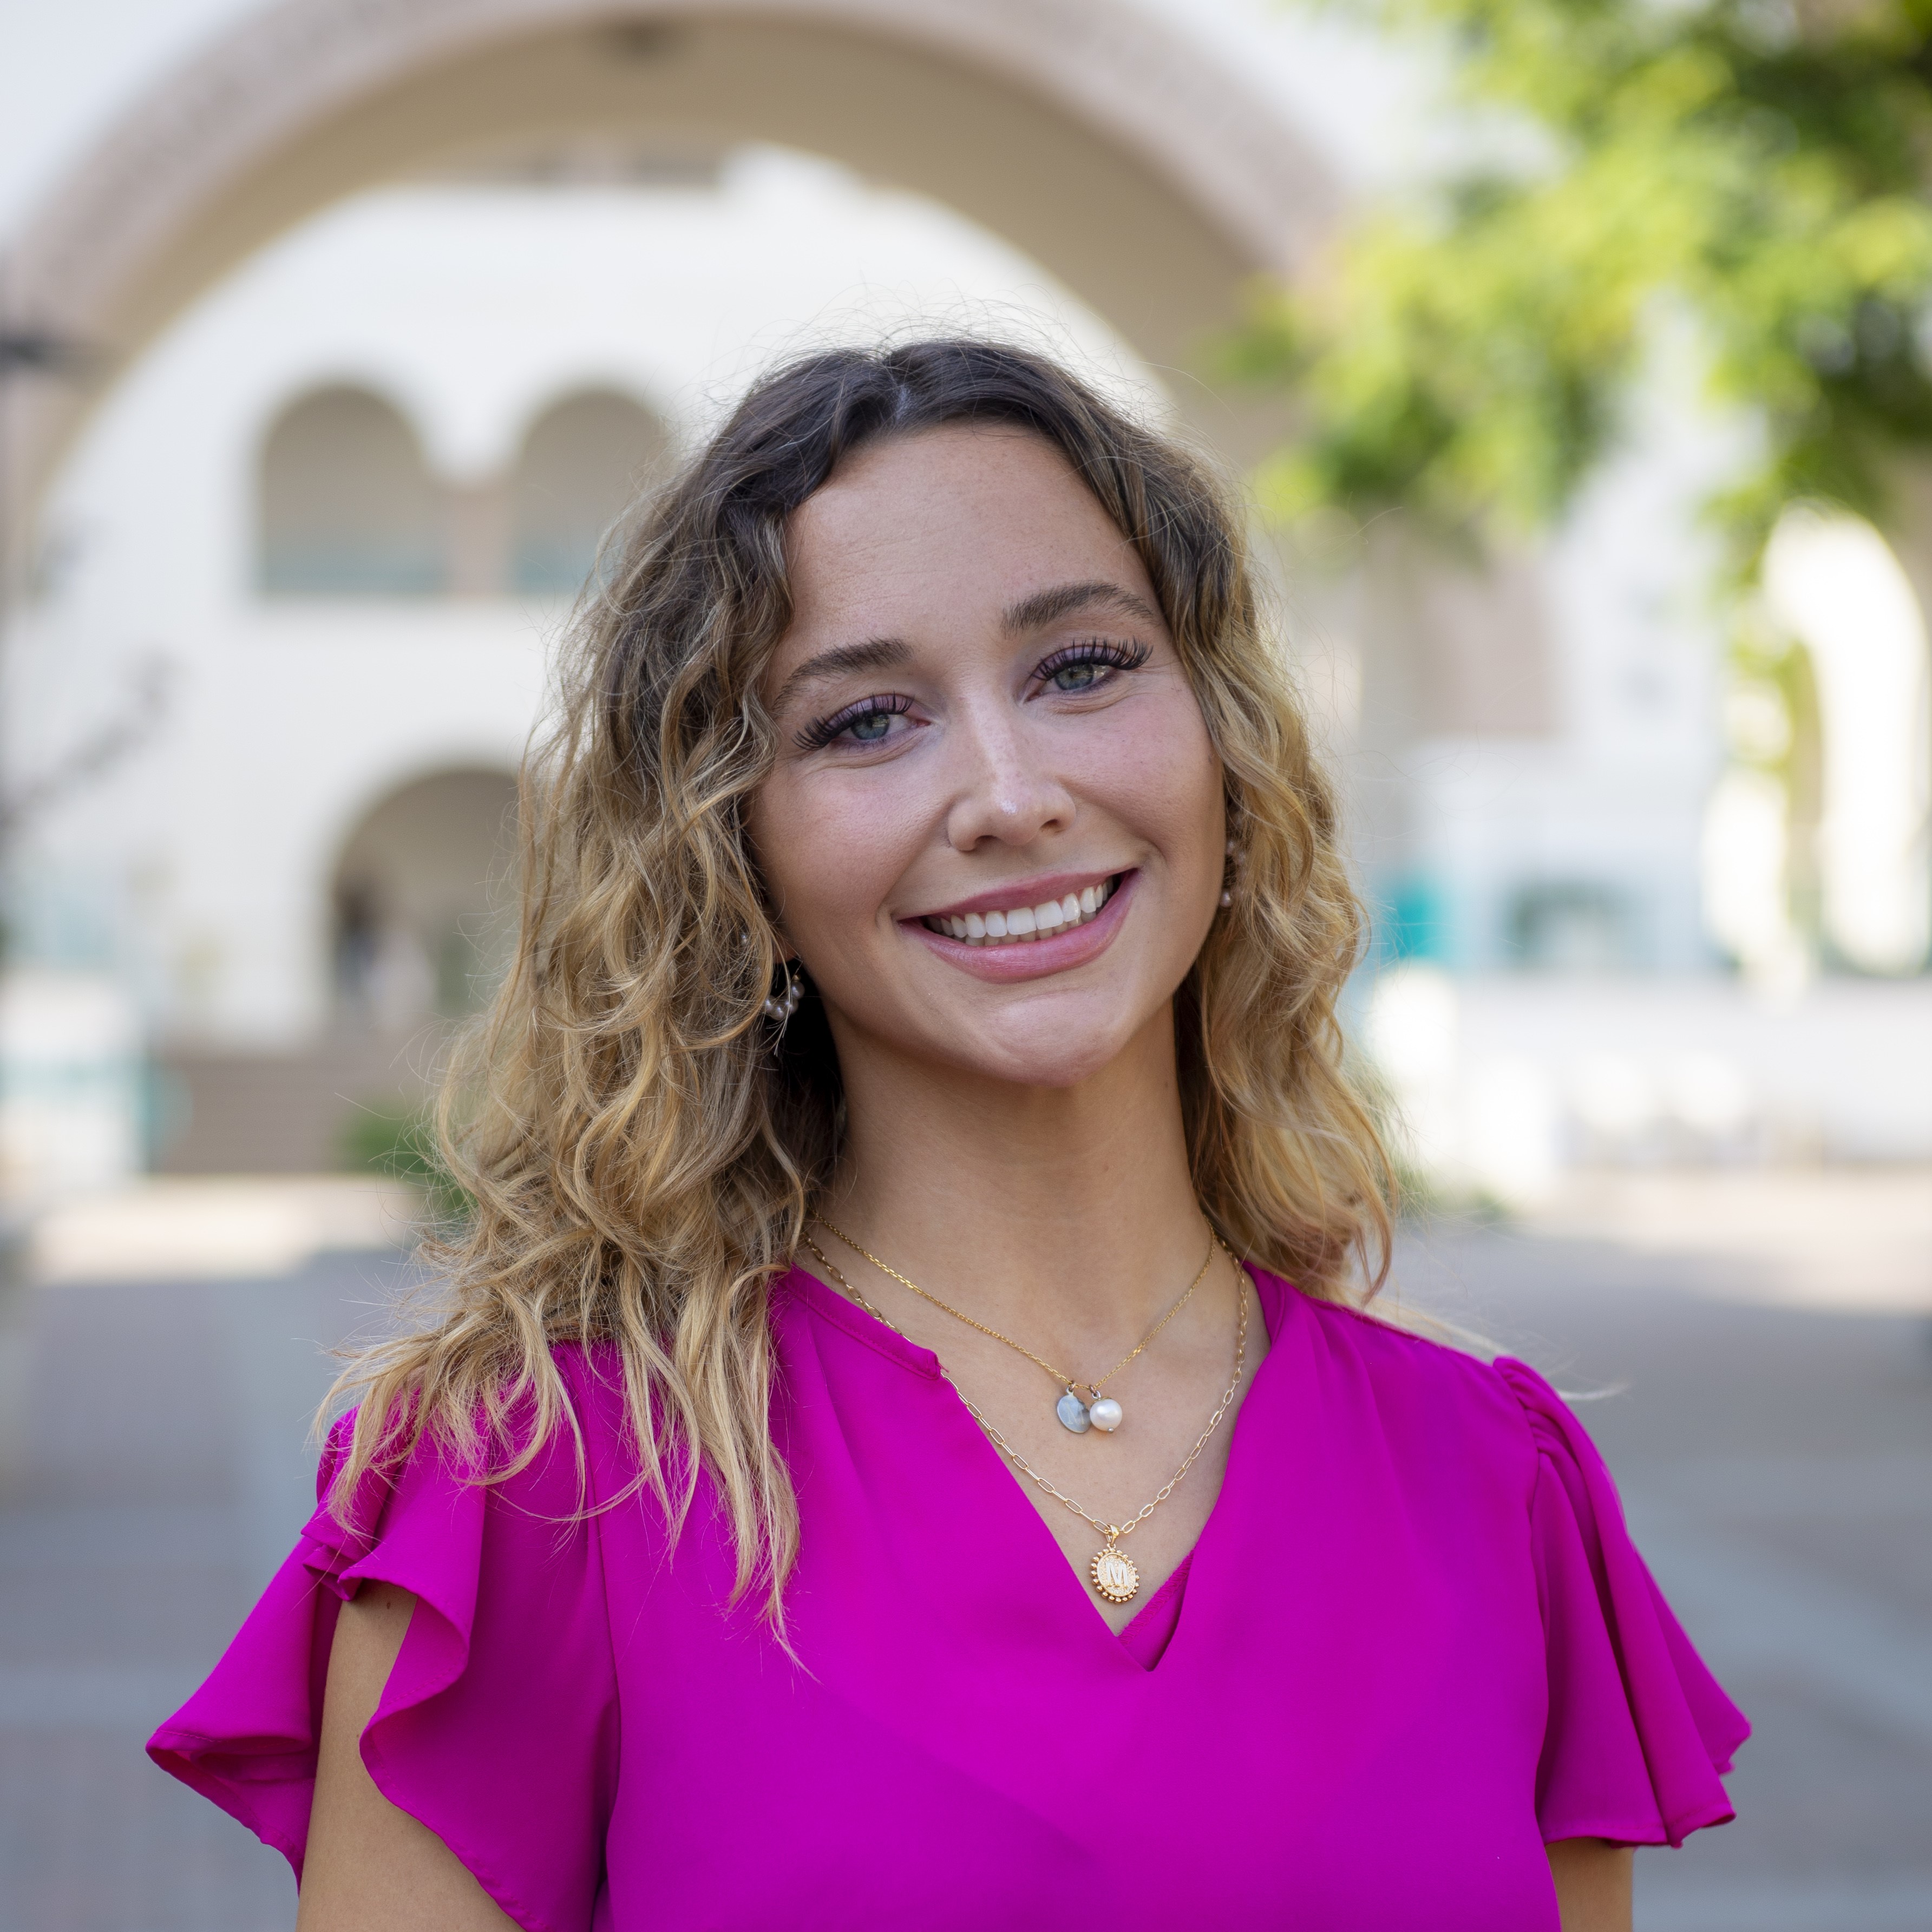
(1023, 924)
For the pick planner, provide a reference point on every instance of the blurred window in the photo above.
(1571, 925)
(581, 463)
(347, 508)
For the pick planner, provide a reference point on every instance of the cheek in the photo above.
(830, 854)
(1156, 771)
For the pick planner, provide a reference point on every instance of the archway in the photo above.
(345, 505)
(416, 931)
(1838, 587)
(1116, 153)
(580, 466)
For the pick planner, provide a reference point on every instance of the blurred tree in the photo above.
(1757, 166)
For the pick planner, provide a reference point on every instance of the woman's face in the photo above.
(994, 833)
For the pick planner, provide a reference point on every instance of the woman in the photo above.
(901, 1445)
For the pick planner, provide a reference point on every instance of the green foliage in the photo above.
(1760, 171)
(402, 1146)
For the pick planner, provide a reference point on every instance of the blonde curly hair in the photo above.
(641, 1163)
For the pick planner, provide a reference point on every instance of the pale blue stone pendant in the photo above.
(1073, 1413)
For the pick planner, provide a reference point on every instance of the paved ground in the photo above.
(1777, 1465)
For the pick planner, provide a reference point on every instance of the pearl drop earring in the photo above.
(1238, 858)
(779, 1007)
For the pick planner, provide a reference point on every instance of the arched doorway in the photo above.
(1840, 590)
(416, 932)
(413, 928)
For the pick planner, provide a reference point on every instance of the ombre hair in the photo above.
(641, 1162)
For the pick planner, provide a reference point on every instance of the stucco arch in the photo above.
(344, 503)
(416, 890)
(1118, 154)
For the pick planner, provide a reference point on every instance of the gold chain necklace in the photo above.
(1113, 1572)
(1098, 1411)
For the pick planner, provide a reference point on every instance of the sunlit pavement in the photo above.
(1777, 1461)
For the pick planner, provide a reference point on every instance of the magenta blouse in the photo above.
(1413, 1643)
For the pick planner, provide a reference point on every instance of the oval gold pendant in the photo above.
(1113, 1575)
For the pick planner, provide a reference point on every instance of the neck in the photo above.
(1069, 1211)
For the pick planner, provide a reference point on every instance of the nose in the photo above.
(1004, 789)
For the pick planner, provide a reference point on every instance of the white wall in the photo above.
(1502, 1084)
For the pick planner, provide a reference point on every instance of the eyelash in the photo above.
(816, 736)
(824, 731)
(1095, 651)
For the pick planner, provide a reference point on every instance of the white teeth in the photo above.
(1023, 924)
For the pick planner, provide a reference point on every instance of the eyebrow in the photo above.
(1045, 607)
(874, 654)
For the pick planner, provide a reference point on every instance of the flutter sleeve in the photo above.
(497, 1728)
(1639, 1730)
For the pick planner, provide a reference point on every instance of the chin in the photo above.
(1051, 1061)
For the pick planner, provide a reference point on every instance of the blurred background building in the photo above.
(375, 320)
(366, 326)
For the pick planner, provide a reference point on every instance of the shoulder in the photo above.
(1385, 1349)
(520, 1451)
(1416, 1390)
(497, 1726)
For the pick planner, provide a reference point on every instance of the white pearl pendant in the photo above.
(1075, 1415)
(1105, 1415)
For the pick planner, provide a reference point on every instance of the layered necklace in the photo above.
(1112, 1572)
(1077, 1414)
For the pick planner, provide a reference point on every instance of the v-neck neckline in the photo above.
(872, 1332)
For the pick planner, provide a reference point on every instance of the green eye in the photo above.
(1087, 666)
(868, 722)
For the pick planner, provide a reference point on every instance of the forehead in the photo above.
(952, 523)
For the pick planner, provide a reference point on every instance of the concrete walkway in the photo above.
(1776, 1462)
(164, 1474)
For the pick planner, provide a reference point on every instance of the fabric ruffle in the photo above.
(497, 1728)
(1639, 1730)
